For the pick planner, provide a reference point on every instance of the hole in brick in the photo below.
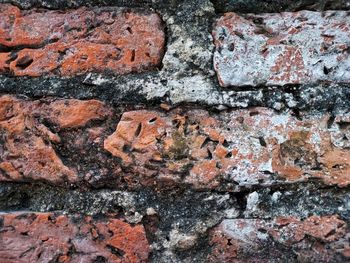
(261, 230)
(231, 47)
(52, 219)
(152, 120)
(283, 42)
(337, 166)
(127, 148)
(296, 113)
(129, 30)
(258, 20)
(206, 141)
(253, 113)
(210, 155)
(343, 125)
(330, 121)
(138, 130)
(132, 56)
(24, 62)
(225, 144)
(326, 70)
(331, 233)
(228, 155)
(263, 51)
(147, 55)
(262, 141)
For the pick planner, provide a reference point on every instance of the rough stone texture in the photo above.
(44, 139)
(186, 75)
(179, 209)
(283, 239)
(173, 214)
(46, 237)
(40, 42)
(243, 147)
(279, 49)
(26, 151)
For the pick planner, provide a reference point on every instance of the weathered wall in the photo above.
(174, 131)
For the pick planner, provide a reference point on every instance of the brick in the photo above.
(278, 49)
(243, 147)
(70, 141)
(316, 238)
(46, 237)
(43, 42)
(163, 146)
(27, 152)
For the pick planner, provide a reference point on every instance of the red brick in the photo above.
(45, 237)
(286, 48)
(28, 152)
(165, 146)
(244, 147)
(77, 41)
(257, 240)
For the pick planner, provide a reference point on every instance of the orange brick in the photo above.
(46, 237)
(242, 147)
(74, 42)
(28, 148)
(234, 149)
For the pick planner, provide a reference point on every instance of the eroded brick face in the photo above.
(283, 239)
(45, 140)
(27, 150)
(42, 42)
(243, 147)
(46, 237)
(284, 48)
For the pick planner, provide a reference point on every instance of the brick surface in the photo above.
(279, 49)
(121, 140)
(71, 141)
(39, 42)
(283, 239)
(27, 148)
(46, 237)
(242, 147)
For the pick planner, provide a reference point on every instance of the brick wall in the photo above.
(174, 131)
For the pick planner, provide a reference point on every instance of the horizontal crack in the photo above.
(16, 48)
